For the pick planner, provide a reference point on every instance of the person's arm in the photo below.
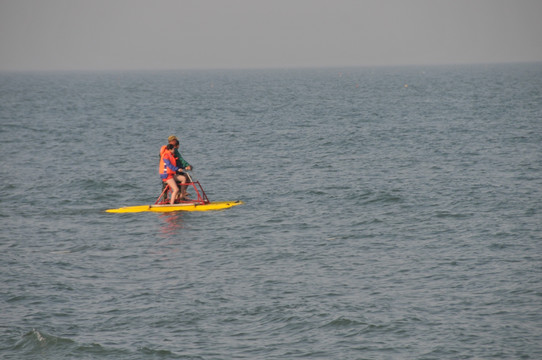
(183, 162)
(168, 163)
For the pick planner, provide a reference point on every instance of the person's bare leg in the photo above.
(182, 179)
(174, 190)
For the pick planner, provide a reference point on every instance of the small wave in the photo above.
(447, 214)
(39, 344)
(380, 197)
(498, 246)
(38, 341)
(342, 322)
(157, 353)
(60, 252)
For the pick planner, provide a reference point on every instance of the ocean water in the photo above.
(390, 213)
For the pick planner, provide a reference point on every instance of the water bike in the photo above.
(200, 203)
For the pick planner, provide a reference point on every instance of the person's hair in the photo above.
(176, 142)
(170, 146)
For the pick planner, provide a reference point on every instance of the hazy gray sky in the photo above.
(171, 34)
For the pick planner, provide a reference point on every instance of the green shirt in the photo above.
(179, 159)
(182, 163)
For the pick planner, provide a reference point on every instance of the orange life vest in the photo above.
(164, 170)
(161, 165)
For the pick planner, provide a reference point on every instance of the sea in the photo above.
(389, 213)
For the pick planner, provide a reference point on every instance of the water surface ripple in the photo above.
(390, 213)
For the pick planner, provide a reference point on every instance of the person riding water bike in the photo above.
(180, 161)
(171, 174)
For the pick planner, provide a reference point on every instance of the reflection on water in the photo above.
(172, 223)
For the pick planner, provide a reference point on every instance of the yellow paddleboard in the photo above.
(177, 207)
